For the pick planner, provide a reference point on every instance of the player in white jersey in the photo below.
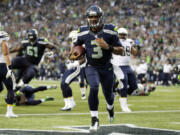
(6, 75)
(122, 70)
(72, 72)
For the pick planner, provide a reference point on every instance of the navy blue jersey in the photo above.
(33, 53)
(96, 56)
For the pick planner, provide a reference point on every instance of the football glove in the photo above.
(9, 72)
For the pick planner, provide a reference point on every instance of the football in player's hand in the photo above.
(79, 50)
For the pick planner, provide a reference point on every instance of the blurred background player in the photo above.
(122, 70)
(6, 75)
(33, 49)
(100, 40)
(72, 72)
(26, 95)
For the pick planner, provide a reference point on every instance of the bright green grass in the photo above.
(163, 99)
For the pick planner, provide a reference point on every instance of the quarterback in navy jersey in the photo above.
(100, 40)
(31, 50)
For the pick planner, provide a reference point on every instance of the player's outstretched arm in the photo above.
(52, 46)
(16, 49)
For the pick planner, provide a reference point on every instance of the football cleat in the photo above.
(111, 114)
(11, 115)
(52, 87)
(83, 96)
(126, 109)
(49, 99)
(94, 124)
(66, 108)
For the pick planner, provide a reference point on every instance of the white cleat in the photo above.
(11, 115)
(126, 109)
(83, 97)
(66, 108)
(95, 124)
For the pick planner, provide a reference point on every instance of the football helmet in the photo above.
(32, 35)
(96, 12)
(122, 33)
(73, 36)
(4, 35)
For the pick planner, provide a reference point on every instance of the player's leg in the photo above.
(8, 82)
(1, 86)
(37, 102)
(93, 101)
(107, 81)
(30, 73)
(68, 77)
(82, 84)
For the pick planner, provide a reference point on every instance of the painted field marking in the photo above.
(101, 113)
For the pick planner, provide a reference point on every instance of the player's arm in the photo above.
(16, 49)
(135, 50)
(5, 52)
(51, 46)
(114, 49)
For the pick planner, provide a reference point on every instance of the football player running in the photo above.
(33, 48)
(72, 72)
(6, 75)
(122, 69)
(100, 40)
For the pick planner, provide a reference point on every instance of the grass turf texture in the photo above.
(166, 100)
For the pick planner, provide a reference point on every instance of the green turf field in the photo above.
(159, 110)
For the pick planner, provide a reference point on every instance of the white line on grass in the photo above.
(67, 114)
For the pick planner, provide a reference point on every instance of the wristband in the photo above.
(10, 67)
(111, 48)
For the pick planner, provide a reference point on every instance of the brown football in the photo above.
(79, 50)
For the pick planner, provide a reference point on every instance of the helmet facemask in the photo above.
(95, 21)
(94, 16)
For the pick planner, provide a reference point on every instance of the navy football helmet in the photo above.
(95, 11)
(32, 35)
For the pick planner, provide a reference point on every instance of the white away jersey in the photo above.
(123, 60)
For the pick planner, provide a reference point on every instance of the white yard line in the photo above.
(101, 113)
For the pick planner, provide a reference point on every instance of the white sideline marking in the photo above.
(67, 114)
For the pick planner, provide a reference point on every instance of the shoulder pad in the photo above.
(83, 30)
(25, 41)
(42, 40)
(130, 41)
(110, 29)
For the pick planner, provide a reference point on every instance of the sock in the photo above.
(94, 113)
(83, 91)
(43, 100)
(109, 107)
(9, 108)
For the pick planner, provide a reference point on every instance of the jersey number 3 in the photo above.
(97, 51)
(32, 51)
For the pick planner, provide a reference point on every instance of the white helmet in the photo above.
(4, 35)
(73, 35)
(122, 31)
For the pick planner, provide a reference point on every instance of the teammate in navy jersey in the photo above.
(31, 50)
(6, 75)
(100, 40)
